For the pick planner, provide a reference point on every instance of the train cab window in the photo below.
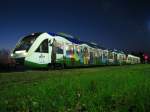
(43, 48)
(59, 50)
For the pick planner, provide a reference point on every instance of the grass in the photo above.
(100, 89)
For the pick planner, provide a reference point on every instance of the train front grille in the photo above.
(20, 61)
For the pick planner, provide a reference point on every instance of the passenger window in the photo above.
(104, 54)
(110, 55)
(43, 48)
(69, 50)
(59, 50)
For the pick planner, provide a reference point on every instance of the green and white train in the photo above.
(43, 50)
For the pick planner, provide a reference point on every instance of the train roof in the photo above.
(75, 40)
(116, 51)
(94, 45)
(70, 38)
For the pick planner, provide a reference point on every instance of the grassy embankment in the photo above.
(106, 89)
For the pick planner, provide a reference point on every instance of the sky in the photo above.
(114, 24)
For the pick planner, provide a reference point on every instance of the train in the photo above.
(50, 50)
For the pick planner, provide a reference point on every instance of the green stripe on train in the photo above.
(34, 65)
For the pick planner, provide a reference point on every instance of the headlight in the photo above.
(11, 54)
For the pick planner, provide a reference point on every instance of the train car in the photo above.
(95, 54)
(121, 58)
(136, 60)
(42, 50)
(131, 59)
(116, 57)
(50, 50)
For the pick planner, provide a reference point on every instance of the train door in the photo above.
(115, 58)
(111, 57)
(86, 56)
(91, 56)
(60, 53)
(105, 57)
(50, 50)
(100, 56)
(80, 54)
(56, 53)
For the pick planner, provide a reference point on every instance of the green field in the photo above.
(100, 89)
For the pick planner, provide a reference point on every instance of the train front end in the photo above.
(20, 52)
